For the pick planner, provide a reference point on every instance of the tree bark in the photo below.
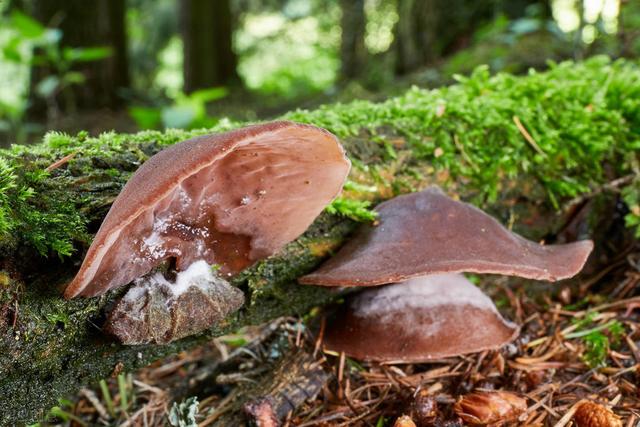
(515, 9)
(404, 46)
(628, 29)
(89, 24)
(428, 30)
(207, 36)
(353, 52)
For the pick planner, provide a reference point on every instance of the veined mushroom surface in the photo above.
(228, 199)
(429, 233)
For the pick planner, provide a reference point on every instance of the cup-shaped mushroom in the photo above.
(421, 319)
(429, 233)
(229, 199)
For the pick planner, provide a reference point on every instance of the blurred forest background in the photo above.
(125, 65)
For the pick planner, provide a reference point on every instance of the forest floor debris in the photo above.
(577, 358)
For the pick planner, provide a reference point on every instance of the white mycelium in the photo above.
(197, 274)
(420, 293)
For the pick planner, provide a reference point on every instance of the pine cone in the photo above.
(591, 414)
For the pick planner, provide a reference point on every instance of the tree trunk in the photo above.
(404, 44)
(629, 29)
(207, 33)
(100, 23)
(515, 9)
(428, 30)
(353, 52)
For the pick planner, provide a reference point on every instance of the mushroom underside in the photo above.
(253, 193)
(419, 320)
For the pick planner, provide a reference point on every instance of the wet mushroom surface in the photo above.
(421, 319)
(429, 233)
(229, 199)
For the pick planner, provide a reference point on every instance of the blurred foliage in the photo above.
(513, 45)
(186, 111)
(151, 26)
(291, 53)
(25, 43)
(630, 28)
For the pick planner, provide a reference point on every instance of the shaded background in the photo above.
(126, 65)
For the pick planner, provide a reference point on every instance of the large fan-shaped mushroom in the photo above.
(228, 199)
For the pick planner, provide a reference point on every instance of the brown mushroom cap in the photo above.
(230, 199)
(422, 319)
(428, 233)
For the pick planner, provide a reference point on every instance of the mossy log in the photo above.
(519, 147)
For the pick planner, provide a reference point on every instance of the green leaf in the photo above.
(27, 26)
(11, 50)
(178, 116)
(209, 95)
(73, 77)
(146, 117)
(85, 54)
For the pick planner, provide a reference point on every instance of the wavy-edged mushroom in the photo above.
(429, 233)
(228, 199)
(428, 310)
(421, 319)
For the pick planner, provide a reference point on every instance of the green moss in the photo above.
(357, 210)
(597, 339)
(580, 116)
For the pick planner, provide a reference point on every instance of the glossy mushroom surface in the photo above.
(429, 233)
(229, 199)
(422, 319)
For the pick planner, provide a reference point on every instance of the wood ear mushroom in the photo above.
(427, 309)
(229, 199)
